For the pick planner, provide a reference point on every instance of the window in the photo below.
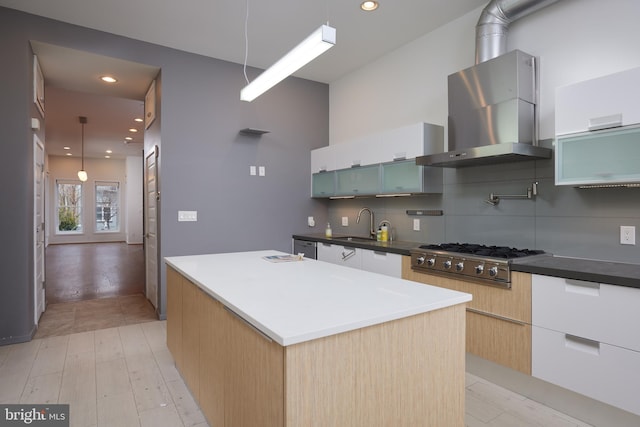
(107, 206)
(69, 194)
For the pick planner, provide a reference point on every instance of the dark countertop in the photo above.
(396, 246)
(613, 273)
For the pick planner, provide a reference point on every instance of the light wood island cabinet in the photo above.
(498, 319)
(405, 372)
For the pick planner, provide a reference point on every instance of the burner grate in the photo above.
(504, 252)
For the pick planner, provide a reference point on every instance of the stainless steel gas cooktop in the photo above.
(490, 264)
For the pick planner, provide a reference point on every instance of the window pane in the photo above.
(69, 208)
(107, 206)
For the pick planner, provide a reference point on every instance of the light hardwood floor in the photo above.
(125, 376)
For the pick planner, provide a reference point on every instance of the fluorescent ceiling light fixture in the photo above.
(310, 48)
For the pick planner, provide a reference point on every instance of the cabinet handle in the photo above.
(347, 255)
(243, 320)
(605, 122)
(582, 287)
(496, 316)
(582, 344)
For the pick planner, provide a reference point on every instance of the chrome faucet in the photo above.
(372, 231)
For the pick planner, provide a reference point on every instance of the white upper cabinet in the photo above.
(597, 131)
(322, 159)
(600, 103)
(360, 152)
(409, 142)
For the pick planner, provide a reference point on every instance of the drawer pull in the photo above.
(582, 287)
(582, 344)
(496, 316)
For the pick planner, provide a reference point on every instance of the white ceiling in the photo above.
(216, 28)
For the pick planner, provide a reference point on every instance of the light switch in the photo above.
(187, 216)
(252, 170)
(261, 170)
(345, 221)
(416, 224)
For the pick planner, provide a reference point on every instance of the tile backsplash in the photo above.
(565, 221)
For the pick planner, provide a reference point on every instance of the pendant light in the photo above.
(310, 48)
(82, 174)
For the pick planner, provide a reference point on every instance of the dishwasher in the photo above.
(304, 247)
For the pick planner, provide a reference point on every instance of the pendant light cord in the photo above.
(82, 146)
(246, 42)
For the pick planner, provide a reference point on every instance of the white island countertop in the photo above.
(294, 302)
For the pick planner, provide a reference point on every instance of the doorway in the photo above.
(93, 262)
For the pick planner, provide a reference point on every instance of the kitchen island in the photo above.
(307, 343)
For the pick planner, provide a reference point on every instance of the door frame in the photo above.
(155, 153)
(39, 229)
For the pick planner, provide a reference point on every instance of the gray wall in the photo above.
(204, 162)
(564, 221)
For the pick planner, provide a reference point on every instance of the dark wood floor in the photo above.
(77, 272)
(93, 286)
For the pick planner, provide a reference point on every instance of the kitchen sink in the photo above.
(355, 239)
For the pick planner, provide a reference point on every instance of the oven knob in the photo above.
(479, 269)
(447, 264)
(493, 271)
(459, 266)
(431, 262)
(420, 260)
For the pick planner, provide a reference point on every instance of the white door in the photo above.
(151, 196)
(38, 225)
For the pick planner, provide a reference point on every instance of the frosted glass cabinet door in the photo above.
(602, 157)
(401, 177)
(323, 184)
(364, 180)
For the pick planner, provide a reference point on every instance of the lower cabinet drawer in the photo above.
(505, 342)
(598, 311)
(603, 372)
(385, 263)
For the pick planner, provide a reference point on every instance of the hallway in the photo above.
(76, 272)
(94, 286)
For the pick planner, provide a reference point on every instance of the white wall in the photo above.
(574, 40)
(133, 195)
(98, 170)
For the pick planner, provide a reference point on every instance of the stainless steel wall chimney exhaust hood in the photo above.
(492, 105)
(492, 114)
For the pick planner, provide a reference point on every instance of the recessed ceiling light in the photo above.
(369, 6)
(133, 130)
(128, 138)
(107, 157)
(108, 79)
(108, 151)
(69, 154)
(66, 148)
(137, 119)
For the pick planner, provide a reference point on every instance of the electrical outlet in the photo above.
(252, 170)
(416, 224)
(627, 235)
(261, 171)
(345, 221)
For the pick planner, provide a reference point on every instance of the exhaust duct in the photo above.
(492, 105)
(493, 25)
